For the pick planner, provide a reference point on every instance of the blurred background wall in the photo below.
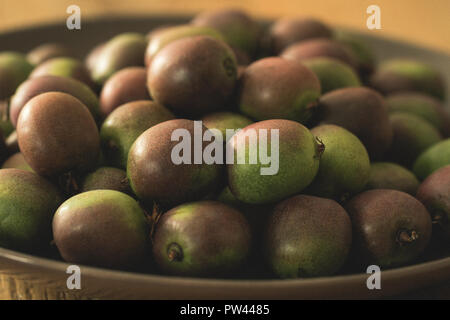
(426, 22)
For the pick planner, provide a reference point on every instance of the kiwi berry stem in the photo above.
(439, 218)
(174, 252)
(320, 148)
(407, 236)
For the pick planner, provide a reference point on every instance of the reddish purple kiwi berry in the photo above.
(308, 237)
(390, 228)
(287, 31)
(35, 86)
(126, 85)
(57, 135)
(193, 75)
(154, 172)
(276, 88)
(205, 238)
(319, 48)
(363, 112)
(434, 193)
(104, 228)
(238, 28)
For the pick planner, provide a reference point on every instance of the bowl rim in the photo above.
(111, 274)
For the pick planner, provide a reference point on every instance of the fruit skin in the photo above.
(287, 31)
(205, 238)
(387, 175)
(92, 57)
(104, 228)
(332, 73)
(57, 134)
(27, 205)
(161, 38)
(434, 193)
(64, 67)
(398, 75)
(17, 161)
(275, 88)
(12, 144)
(308, 237)
(412, 136)
(319, 48)
(165, 182)
(365, 59)
(47, 51)
(423, 106)
(363, 112)
(344, 167)
(298, 163)
(193, 76)
(33, 87)
(237, 27)
(126, 85)
(123, 50)
(125, 124)
(106, 178)
(225, 120)
(14, 69)
(433, 158)
(379, 217)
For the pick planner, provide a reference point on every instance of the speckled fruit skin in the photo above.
(363, 112)
(319, 48)
(126, 85)
(14, 69)
(27, 205)
(17, 161)
(298, 163)
(214, 239)
(308, 237)
(47, 51)
(287, 31)
(163, 181)
(378, 216)
(332, 73)
(275, 88)
(106, 178)
(162, 37)
(124, 50)
(344, 167)
(434, 193)
(412, 136)
(239, 29)
(33, 87)
(193, 76)
(225, 120)
(57, 134)
(398, 75)
(64, 67)
(104, 228)
(422, 105)
(433, 158)
(125, 124)
(387, 175)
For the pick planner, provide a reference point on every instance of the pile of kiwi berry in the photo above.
(87, 175)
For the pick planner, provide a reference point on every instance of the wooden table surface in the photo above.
(419, 21)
